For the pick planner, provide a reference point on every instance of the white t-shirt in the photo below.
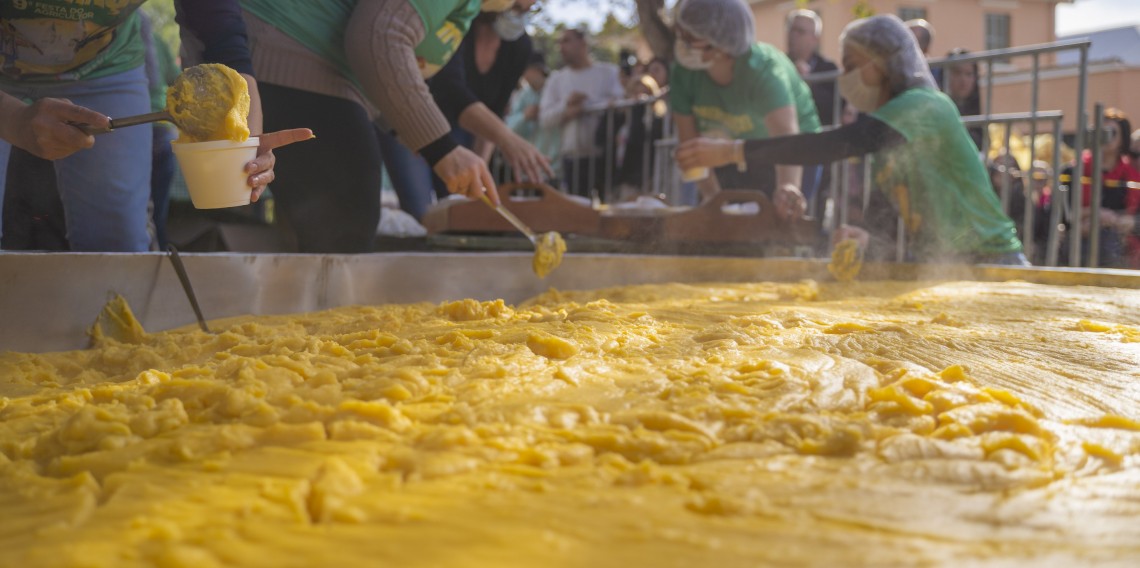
(601, 85)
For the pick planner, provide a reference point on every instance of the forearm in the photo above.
(789, 175)
(219, 25)
(481, 121)
(11, 130)
(551, 105)
(865, 136)
(383, 35)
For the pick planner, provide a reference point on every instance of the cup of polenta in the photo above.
(215, 171)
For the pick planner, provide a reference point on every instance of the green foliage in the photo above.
(161, 14)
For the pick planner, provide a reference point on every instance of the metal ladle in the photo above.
(184, 278)
(204, 116)
(547, 251)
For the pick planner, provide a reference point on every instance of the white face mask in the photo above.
(497, 5)
(861, 96)
(689, 58)
(510, 25)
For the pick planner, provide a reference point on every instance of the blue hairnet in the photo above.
(726, 24)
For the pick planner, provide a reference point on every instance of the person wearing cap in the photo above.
(924, 161)
(524, 114)
(727, 85)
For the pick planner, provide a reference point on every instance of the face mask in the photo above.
(497, 5)
(859, 94)
(689, 58)
(510, 25)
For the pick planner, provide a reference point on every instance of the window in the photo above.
(997, 31)
(908, 14)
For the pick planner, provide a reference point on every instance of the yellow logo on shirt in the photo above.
(450, 35)
(736, 123)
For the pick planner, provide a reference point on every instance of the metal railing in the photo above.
(599, 131)
(1068, 210)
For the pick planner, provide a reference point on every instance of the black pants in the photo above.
(33, 211)
(327, 189)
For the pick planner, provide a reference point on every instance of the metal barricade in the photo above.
(1066, 211)
(603, 151)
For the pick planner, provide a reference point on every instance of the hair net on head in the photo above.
(726, 24)
(887, 41)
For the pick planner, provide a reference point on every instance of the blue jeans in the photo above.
(410, 175)
(105, 189)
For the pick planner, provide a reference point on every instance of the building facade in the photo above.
(979, 25)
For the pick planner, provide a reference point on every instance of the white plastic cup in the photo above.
(694, 174)
(215, 171)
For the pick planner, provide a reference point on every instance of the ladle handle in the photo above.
(512, 219)
(124, 122)
(184, 278)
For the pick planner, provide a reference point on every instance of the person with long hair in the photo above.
(962, 86)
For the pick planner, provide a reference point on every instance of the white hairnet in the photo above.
(887, 41)
(726, 24)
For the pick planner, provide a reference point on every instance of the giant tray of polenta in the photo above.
(659, 417)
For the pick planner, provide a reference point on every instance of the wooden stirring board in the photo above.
(540, 206)
(731, 216)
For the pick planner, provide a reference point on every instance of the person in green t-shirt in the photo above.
(726, 85)
(355, 66)
(924, 160)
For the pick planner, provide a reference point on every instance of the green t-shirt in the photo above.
(763, 80)
(319, 26)
(67, 40)
(938, 182)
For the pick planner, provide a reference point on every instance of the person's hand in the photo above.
(789, 202)
(261, 168)
(844, 232)
(42, 128)
(526, 161)
(466, 174)
(531, 112)
(704, 153)
(803, 68)
(574, 105)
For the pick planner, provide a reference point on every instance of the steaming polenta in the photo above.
(548, 253)
(846, 260)
(209, 102)
(874, 424)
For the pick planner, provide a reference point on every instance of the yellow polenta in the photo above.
(863, 424)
